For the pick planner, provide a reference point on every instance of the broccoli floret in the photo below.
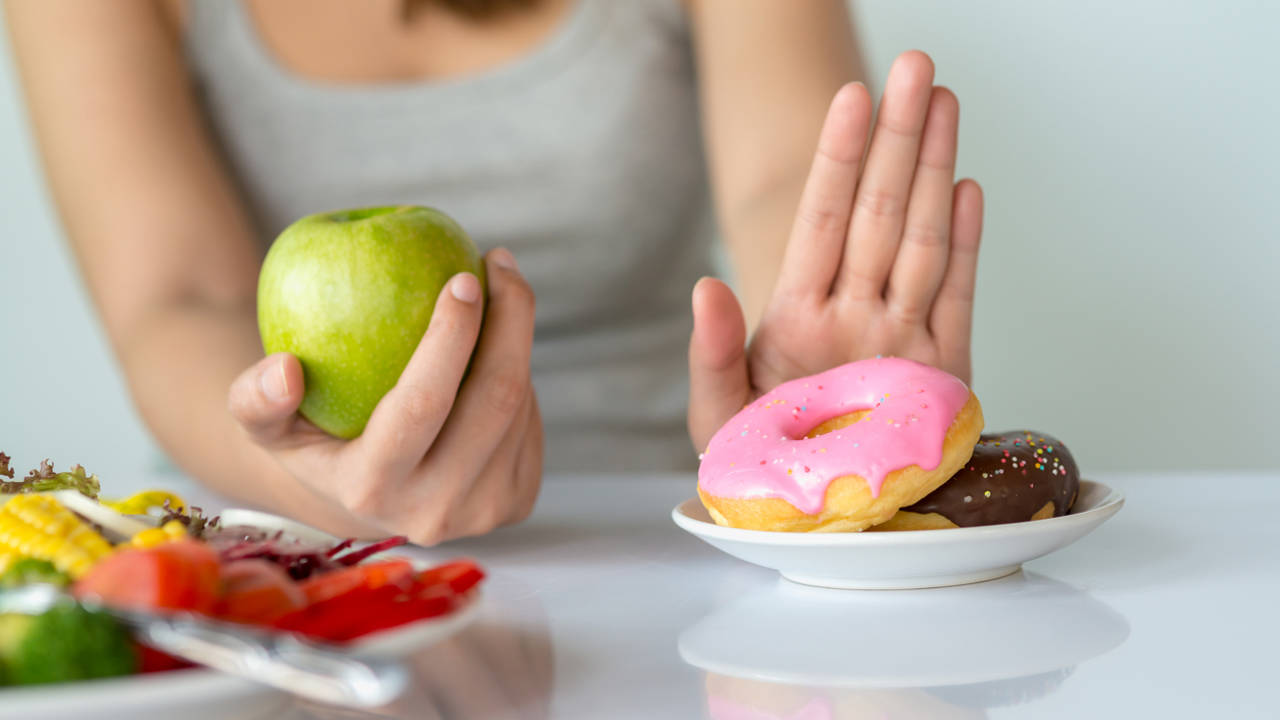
(66, 642)
(30, 570)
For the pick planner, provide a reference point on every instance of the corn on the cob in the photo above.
(39, 526)
(172, 530)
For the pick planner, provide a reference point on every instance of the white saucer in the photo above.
(905, 559)
(1015, 627)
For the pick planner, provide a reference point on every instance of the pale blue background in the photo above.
(1128, 296)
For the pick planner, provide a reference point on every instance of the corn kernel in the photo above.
(39, 526)
(149, 538)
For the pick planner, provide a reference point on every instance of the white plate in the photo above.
(906, 559)
(197, 693)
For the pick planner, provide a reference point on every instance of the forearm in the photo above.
(767, 72)
(179, 360)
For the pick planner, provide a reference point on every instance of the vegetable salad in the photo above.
(153, 552)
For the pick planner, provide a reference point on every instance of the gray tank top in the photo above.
(583, 157)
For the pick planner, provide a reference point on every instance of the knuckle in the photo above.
(239, 405)
(859, 284)
(926, 236)
(821, 219)
(524, 508)
(843, 158)
(886, 125)
(430, 529)
(520, 296)
(523, 511)
(417, 406)
(362, 499)
(531, 479)
(957, 293)
(490, 516)
(426, 536)
(878, 202)
(906, 312)
(506, 389)
(243, 399)
(448, 324)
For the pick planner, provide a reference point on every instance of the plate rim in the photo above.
(1111, 502)
(207, 680)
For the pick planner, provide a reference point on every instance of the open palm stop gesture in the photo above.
(881, 260)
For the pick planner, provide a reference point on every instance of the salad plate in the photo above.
(905, 559)
(196, 692)
(191, 694)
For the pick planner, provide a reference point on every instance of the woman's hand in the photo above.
(437, 460)
(881, 260)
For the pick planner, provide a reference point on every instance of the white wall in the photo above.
(1129, 150)
(1128, 292)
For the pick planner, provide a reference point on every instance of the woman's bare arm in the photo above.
(171, 262)
(162, 240)
(767, 72)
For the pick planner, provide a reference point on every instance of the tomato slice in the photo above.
(257, 591)
(410, 610)
(459, 575)
(371, 575)
(364, 610)
(180, 575)
(352, 602)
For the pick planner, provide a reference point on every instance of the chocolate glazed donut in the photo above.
(1012, 476)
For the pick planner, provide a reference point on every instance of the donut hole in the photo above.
(837, 422)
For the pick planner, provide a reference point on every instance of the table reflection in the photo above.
(800, 653)
(499, 666)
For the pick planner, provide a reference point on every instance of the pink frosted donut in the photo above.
(841, 450)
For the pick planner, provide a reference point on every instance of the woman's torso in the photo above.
(582, 155)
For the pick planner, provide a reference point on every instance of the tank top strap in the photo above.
(208, 22)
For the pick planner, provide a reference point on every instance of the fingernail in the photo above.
(274, 385)
(465, 287)
(503, 258)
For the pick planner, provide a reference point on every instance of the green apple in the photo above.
(350, 293)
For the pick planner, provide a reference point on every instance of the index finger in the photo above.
(498, 385)
(407, 420)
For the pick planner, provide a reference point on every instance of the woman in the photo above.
(179, 136)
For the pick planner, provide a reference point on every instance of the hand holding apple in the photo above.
(440, 456)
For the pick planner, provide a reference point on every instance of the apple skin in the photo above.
(350, 293)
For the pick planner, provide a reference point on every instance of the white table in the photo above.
(598, 605)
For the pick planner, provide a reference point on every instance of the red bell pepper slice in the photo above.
(459, 575)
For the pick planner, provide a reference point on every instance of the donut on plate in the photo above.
(1012, 477)
(841, 450)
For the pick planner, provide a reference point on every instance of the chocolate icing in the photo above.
(1010, 476)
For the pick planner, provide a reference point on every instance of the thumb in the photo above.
(718, 381)
(265, 397)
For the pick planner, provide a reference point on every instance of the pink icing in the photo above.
(763, 453)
